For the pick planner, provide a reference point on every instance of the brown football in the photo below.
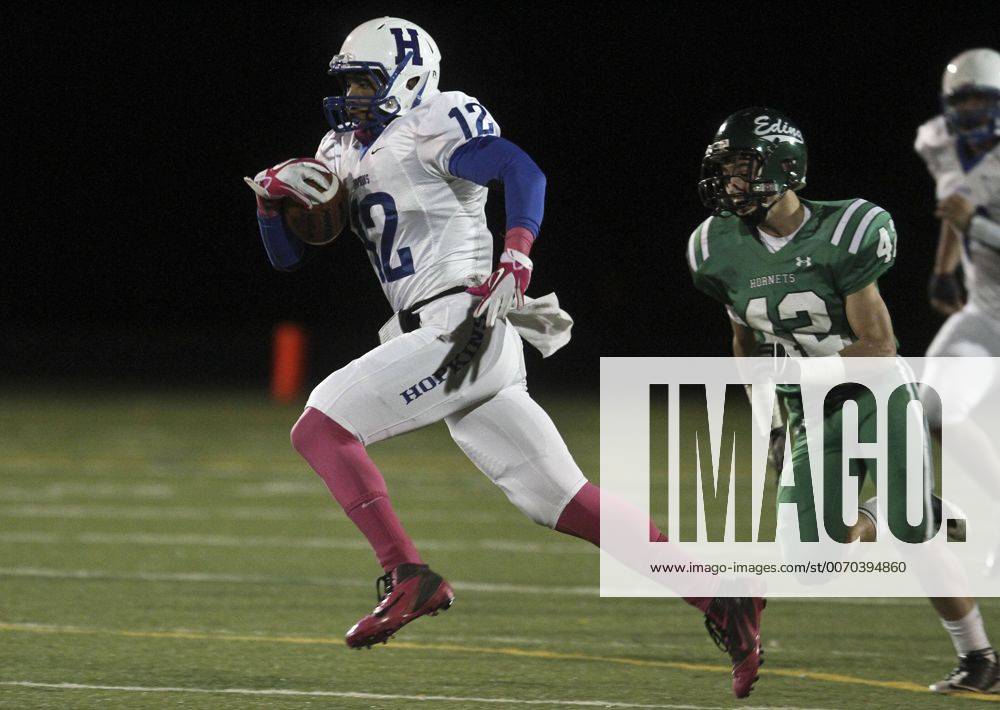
(319, 224)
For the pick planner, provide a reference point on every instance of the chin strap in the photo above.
(759, 215)
(752, 220)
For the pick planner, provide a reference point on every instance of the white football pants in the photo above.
(453, 368)
(970, 333)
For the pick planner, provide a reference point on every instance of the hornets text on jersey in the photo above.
(795, 296)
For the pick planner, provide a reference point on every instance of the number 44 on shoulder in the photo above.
(886, 249)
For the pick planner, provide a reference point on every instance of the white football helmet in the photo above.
(973, 74)
(401, 61)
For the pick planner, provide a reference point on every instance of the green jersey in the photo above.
(795, 295)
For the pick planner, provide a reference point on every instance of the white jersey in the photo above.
(981, 185)
(424, 229)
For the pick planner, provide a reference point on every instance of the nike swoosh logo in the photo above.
(374, 151)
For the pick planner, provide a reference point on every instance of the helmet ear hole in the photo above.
(412, 82)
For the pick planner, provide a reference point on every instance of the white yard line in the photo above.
(331, 514)
(208, 577)
(279, 692)
(315, 543)
(487, 587)
(95, 490)
(88, 489)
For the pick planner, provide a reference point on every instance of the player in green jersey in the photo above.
(799, 277)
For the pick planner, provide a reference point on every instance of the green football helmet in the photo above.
(762, 147)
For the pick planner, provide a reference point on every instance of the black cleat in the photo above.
(977, 672)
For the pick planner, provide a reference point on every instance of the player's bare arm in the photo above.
(744, 342)
(957, 211)
(960, 212)
(869, 319)
(944, 290)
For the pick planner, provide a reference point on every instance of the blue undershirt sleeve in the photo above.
(488, 158)
(283, 249)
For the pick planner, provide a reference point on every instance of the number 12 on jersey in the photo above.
(381, 253)
(483, 128)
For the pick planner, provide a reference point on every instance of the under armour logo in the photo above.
(402, 45)
(803, 261)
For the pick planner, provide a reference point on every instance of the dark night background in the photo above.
(131, 248)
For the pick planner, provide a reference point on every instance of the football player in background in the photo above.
(798, 278)
(416, 162)
(961, 148)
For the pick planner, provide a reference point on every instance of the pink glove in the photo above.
(503, 291)
(289, 179)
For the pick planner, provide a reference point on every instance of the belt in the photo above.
(407, 320)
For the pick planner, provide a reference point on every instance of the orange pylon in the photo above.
(288, 366)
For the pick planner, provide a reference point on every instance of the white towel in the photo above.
(542, 323)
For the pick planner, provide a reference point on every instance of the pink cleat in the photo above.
(407, 593)
(734, 625)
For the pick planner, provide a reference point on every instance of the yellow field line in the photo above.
(796, 673)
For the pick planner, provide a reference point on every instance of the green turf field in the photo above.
(168, 549)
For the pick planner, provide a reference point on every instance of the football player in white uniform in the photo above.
(961, 148)
(416, 162)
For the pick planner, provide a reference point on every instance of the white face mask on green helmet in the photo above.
(765, 150)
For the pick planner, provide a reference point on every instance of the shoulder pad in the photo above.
(697, 249)
(866, 248)
(446, 122)
(331, 148)
(932, 137)
(855, 222)
(457, 112)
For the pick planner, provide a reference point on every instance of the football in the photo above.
(317, 224)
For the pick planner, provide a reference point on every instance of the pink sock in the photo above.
(353, 479)
(582, 518)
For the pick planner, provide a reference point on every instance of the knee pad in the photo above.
(539, 496)
(513, 441)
